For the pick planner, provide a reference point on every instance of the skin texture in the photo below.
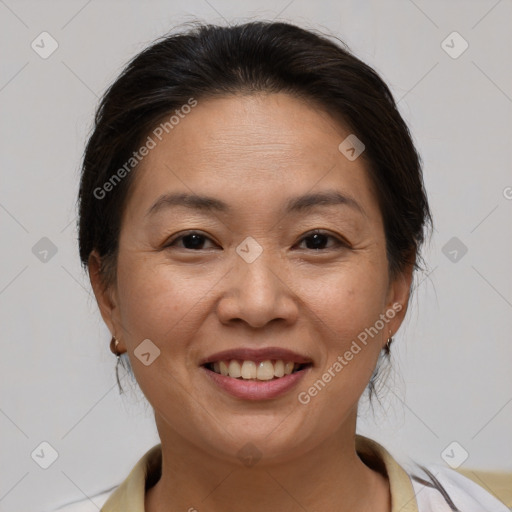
(254, 152)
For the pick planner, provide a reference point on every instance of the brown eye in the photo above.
(192, 240)
(317, 240)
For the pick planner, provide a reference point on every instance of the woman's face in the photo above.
(254, 284)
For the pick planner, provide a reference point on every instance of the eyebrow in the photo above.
(301, 203)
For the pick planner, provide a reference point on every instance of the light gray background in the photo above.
(452, 359)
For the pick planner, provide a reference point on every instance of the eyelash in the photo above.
(338, 242)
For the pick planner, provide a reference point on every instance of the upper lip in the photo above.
(257, 355)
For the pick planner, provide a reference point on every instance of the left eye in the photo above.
(318, 240)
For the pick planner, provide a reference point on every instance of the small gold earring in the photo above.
(388, 343)
(114, 343)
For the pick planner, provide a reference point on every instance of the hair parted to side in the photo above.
(257, 57)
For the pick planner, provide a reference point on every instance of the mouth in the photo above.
(250, 370)
(256, 374)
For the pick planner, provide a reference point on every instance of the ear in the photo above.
(398, 299)
(105, 296)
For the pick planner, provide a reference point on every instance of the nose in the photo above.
(258, 293)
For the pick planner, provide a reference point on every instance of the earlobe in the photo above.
(403, 287)
(398, 298)
(102, 293)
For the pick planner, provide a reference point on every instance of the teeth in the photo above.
(279, 369)
(265, 370)
(249, 370)
(223, 368)
(235, 369)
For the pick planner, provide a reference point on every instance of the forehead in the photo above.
(248, 149)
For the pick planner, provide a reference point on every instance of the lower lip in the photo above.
(257, 390)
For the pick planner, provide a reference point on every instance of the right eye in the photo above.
(193, 240)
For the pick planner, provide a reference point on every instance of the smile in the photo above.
(256, 374)
(252, 370)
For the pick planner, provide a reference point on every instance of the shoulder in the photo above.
(445, 490)
(92, 504)
(129, 494)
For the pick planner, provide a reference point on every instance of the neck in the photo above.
(331, 478)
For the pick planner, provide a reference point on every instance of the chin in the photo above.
(265, 438)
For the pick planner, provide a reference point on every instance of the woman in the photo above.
(220, 159)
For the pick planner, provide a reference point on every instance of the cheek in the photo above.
(348, 353)
(350, 300)
(159, 303)
(348, 304)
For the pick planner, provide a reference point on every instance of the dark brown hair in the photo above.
(207, 61)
